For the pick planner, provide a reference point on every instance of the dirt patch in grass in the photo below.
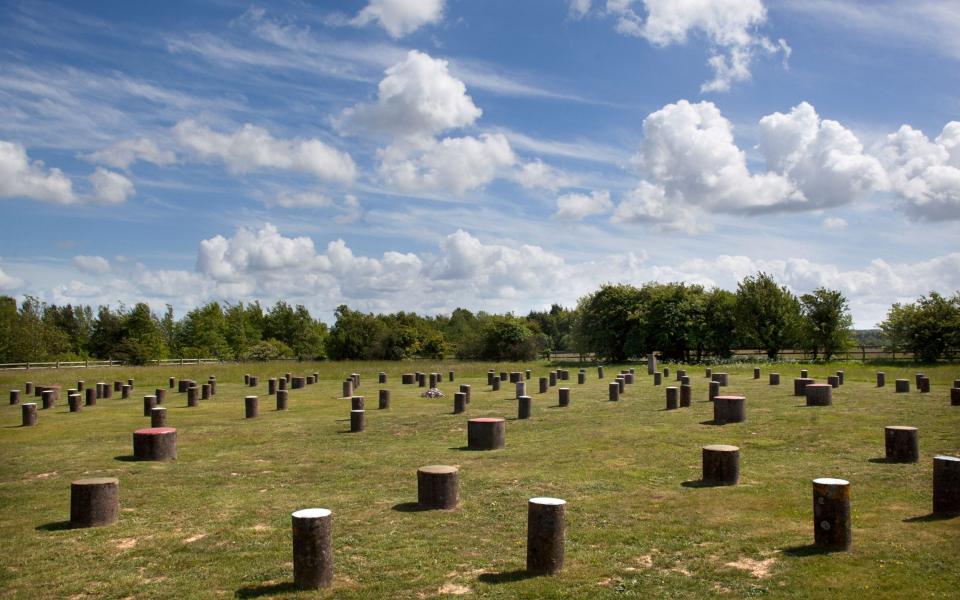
(454, 589)
(758, 568)
(125, 543)
(194, 538)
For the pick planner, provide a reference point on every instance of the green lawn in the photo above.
(216, 522)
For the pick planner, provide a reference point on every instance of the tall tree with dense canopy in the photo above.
(769, 314)
(827, 322)
(606, 320)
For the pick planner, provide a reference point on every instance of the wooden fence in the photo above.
(864, 353)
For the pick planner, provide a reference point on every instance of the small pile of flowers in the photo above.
(432, 393)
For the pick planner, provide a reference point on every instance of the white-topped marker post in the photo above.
(831, 513)
(312, 548)
(546, 535)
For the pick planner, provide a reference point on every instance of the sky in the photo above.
(423, 155)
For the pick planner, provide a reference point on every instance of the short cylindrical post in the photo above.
(581, 378)
(524, 407)
(246, 379)
(28, 388)
(125, 392)
(620, 384)
(721, 464)
(651, 363)
(282, 399)
(564, 397)
(251, 406)
(171, 382)
(161, 395)
(673, 398)
(515, 376)
(756, 372)
(357, 403)
(527, 374)
(686, 393)
(504, 376)
(546, 535)
(729, 409)
(490, 376)
(553, 378)
(804, 373)
(917, 378)
(149, 402)
(73, 401)
(155, 443)
(204, 392)
(193, 396)
(684, 379)
(831, 513)
(14, 397)
(714, 390)
(271, 386)
(383, 399)
(357, 421)
(902, 386)
(459, 402)
(901, 444)
(94, 502)
(281, 384)
(599, 372)
(614, 392)
(382, 377)
(254, 381)
(521, 388)
(80, 385)
(708, 372)
(406, 379)
(800, 386)
(819, 394)
(840, 377)
(924, 387)
(681, 373)
(183, 385)
(422, 379)
(496, 384)
(833, 380)
(312, 548)
(881, 379)
(722, 378)
(946, 485)
(450, 376)
(666, 371)
(158, 416)
(543, 385)
(347, 388)
(657, 378)
(628, 378)
(354, 376)
(465, 388)
(486, 433)
(117, 386)
(28, 414)
(433, 380)
(438, 487)
(48, 399)
(955, 396)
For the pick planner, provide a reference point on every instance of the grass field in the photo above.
(216, 522)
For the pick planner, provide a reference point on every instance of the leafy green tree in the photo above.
(768, 315)
(8, 328)
(353, 335)
(268, 350)
(607, 321)
(719, 333)
(243, 328)
(827, 323)
(929, 327)
(202, 333)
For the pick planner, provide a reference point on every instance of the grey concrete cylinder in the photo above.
(564, 397)
(459, 402)
(406, 379)
(486, 433)
(901, 444)
(383, 399)
(251, 407)
(94, 502)
(14, 397)
(158, 416)
(721, 464)
(205, 391)
(527, 374)
(774, 378)
(433, 380)
(382, 377)
(902, 386)
(438, 487)
(666, 371)
(833, 380)
(924, 387)
(546, 535)
(171, 382)
(124, 392)
(804, 373)
(620, 384)
(708, 372)
(73, 401)
(48, 399)
(881, 379)
(149, 403)
(831, 513)
(28, 414)
(819, 394)
(193, 396)
(686, 394)
(451, 376)
(543, 385)
(628, 378)
(954, 396)
(673, 398)
(347, 388)
(614, 391)
(155, 443)
(840, 376)
(553, 378)
(681, 373)
(356, 403)
(756, 372)
(282, 399)
(599, 372)
(521, 388)
(722, 378)
(524, 407)
(729, 409)
(581, 378)
(161, 395)
(800, 386)
(465, 388)
(281, 384)
(271, 386)
(254, 381)
(946, 485)
(714, 390)
(357, 421)
(90, 398)
(496, 384)
(312, 548)
(657, 378)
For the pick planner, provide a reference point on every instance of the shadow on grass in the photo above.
(271, 589)
(702, 483)
(881, 460)
(54, 526)
(505, 576)
(710, 422)
(465, 449)
(809, 550)
(928, 518)
(127, 458)
(409, 507)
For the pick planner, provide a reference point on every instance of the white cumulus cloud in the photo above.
(97, 265)
(110, 187)
(9, 282)
(22, 178)
(575, 207)
(925, 174)
(538, 174)
(251, 148)
(401, 17)
(124, 153)
(452, 164)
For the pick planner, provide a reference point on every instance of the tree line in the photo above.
(680, 321)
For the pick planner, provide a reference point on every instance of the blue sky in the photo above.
(428, 154)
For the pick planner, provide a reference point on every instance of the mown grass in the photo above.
(216, 522)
